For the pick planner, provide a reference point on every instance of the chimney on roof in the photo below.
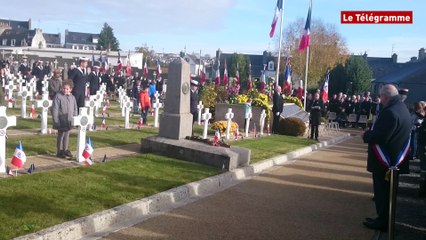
(422, 54)
(394, 58)
(218, 53)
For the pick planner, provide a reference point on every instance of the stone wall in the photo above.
(238, 109)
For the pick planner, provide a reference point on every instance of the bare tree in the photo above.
(327, 50)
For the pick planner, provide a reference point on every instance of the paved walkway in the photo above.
(322, 195)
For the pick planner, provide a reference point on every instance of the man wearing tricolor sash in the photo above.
(388, 145)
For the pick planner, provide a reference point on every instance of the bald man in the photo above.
(389, 134)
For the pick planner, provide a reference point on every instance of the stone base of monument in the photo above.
(187, 150)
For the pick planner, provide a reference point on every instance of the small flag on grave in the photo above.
(19, 158)
(33, 113)
(216, 136)
(88, 150)
(140, 122)
(31, 169)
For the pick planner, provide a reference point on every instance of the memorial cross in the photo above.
(44, 103)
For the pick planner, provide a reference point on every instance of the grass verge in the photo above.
(34, 202)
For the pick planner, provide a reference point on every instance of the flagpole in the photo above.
(306, 77)
(279, 46)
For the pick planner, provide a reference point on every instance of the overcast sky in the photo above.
(233, 25)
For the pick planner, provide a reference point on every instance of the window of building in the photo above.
(12, 42)
(4, 42)
(74, 47)
(271, 66)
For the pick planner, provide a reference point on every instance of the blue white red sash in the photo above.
(385, 160)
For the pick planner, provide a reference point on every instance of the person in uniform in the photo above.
(94, 79)
(79, 77)
(316, 108)
(194, 100)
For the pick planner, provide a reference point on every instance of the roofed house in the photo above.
(258, 63)
(83, 41)
(19, 34)
(410, 75)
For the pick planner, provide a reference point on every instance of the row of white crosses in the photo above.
(206, 116)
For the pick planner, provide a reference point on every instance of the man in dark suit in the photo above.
(315, 109)
(277, 108)
(389, 134)
(39, 73)
(194, 100)
(24, 69)
(79, 77)
(94, 78)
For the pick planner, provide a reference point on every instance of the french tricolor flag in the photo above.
(88, 150)
(225, 76)
(145, 71)
(158, 70)
(19, 158)
(287, 77)
(276, 16)
(305, 41)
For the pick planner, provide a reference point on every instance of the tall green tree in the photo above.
(243, 66)
(337, 80)
(358, 75)
(107, 40)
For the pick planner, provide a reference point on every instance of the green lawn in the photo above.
(30, 203)
(271, 146)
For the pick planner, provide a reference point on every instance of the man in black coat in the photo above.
(94, 79)
(277, 108)
(389, 134)
(79, 77)
(316, 108)
(194, 100)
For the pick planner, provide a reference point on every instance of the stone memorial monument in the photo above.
(176, 120)
(176, 125)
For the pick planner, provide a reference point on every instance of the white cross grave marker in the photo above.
(20, 81)
(200, 109)
(228, 116)
(262, 121)
(206, 116)
(5, 122)
(44, 103)
(127, 106)
(45, 83)
(248, 116)
(83, 120)
(24, 94)
(32, 88)
(10, 88)
(156, 105)
(91, 104)
(98, 100)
